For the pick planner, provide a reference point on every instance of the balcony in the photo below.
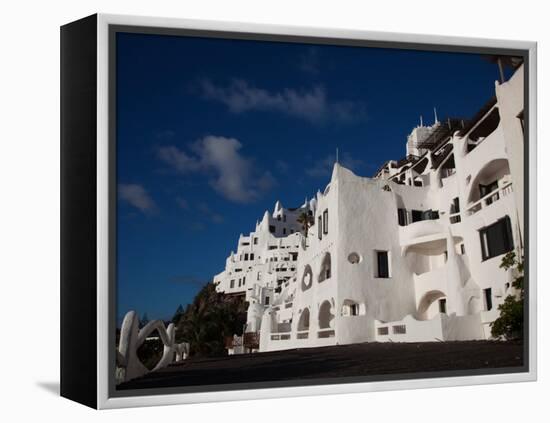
(424, 237)
(489, 199)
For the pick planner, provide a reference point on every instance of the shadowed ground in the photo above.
(368, 359)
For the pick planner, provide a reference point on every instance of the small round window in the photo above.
(354, 258)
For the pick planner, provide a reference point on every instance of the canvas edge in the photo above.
(103, 399)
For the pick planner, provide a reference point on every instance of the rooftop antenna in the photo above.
(435, 115)
(421, 122)
(336, 154)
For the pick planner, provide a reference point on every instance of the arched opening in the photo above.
(489, 179)
(326, 317)
(303, 323)
(325, 271)
(448, 168)
(430, 305)
(486, 126)
(307, 278)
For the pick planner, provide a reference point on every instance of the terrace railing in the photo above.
(489, 199)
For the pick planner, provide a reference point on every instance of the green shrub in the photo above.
(509, 324)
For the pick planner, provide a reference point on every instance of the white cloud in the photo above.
(310, 104)
(137, 196)
(323, 167)
(230, 173)
(178, 159)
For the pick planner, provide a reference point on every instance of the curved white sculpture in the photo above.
(131, 338)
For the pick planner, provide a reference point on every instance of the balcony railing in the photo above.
(454, 218)
(303, 334)
(489, 199)
(284, 336)
(326, 333)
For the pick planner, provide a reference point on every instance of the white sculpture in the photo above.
(131, 338)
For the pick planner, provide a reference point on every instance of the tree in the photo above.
(509, 324)
(306, 220)
(209, 319)
(177, 314)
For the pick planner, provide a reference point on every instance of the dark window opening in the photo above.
(496, 239)
(383, 266)
(462, 249)
(488, 294)
(443, 305)
(271, 228)
(416, 215)
(255, 241)
(266, 302)
(325, 222)
(402, 217)
(487, 189)
(320, 227)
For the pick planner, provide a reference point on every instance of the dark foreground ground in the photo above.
(369, 359)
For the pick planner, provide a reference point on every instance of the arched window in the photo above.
(303, 323)
(325, 315)
(325, 272)
(307, 278)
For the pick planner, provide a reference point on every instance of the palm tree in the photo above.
(306, 219)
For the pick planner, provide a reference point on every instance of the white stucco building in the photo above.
(411, 254)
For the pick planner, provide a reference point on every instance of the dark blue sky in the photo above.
(210, 133)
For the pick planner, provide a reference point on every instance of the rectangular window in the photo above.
(259, 275)
(294, 256)
(455, 207)
(272, 229)
(232, 283)
(383, 265)
(266, 302)
(416, 215)
(284, 231)
(251, 256)
(320, 227)
(443, 306)
(354, 310)
(402, 217)
(325, 222)
(246, 257)
(417, 183)
(383, 331)
(279, 218)
(496, 239)
(462, 249)
(488, 294)
(255, 241)
(284, 217)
